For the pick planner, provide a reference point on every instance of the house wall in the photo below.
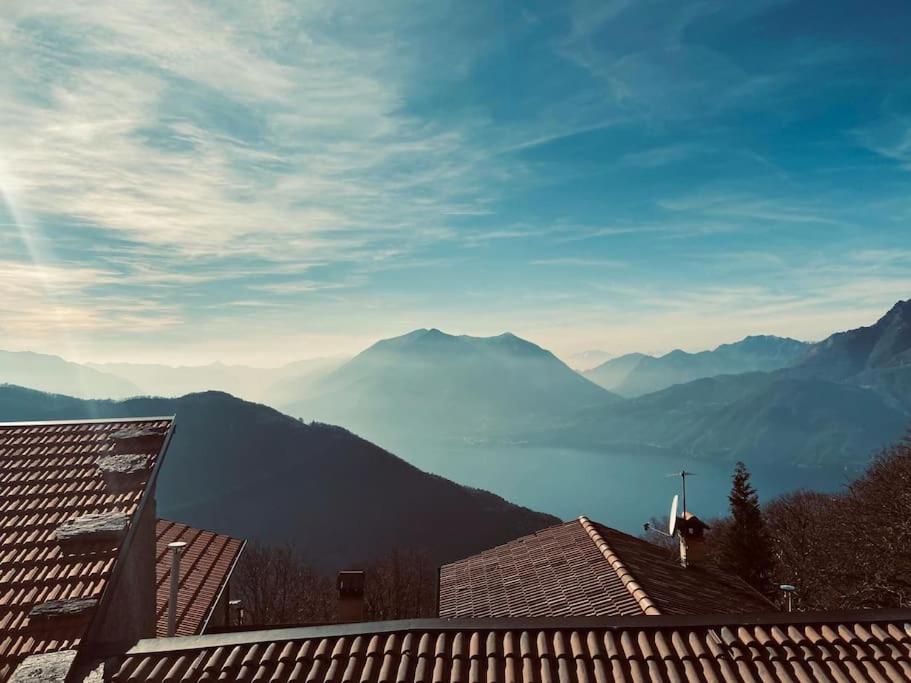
(131, 611)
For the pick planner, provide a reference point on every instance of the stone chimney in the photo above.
(350, 596)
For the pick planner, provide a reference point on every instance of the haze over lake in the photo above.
(618, 489)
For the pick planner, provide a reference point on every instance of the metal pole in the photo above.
(176, 551)
(683, 476)
(789, 590)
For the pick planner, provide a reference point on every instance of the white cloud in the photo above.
(333, 151)
(580, 262)
(659, 156)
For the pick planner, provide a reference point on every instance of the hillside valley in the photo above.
(427, 393)
(247, 470)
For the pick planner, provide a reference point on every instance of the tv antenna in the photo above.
(683, 474)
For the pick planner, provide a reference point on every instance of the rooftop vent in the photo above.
(176, 548)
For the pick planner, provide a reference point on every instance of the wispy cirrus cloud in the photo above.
(176, 128)
(579, 262)
(251, 173)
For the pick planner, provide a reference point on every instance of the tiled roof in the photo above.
(779, 647)
(674, 589)
(205, 568)
(49, 475)
(581, 568)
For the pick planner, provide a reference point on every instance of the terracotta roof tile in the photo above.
(48, 477)
(855, 646)
(205, 568)
(677, 590)
(582, 568)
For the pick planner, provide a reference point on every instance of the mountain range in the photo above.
(268, 385)
(636, 374)
(56, 375)
(764, 399)
(769, 399)
(844, 398)
(247, 470)
(586, 360)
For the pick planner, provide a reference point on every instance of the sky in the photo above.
(263, 181)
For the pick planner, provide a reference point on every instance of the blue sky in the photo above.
(265, 181)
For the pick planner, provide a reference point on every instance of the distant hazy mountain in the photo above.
(53, 374)
(847, 396)
(885, 344)
(877, 357)
(757, 417)
(268, 385)
(586, 360)
(247, 470)
(614, 372)
(636, 374)
(439, 385)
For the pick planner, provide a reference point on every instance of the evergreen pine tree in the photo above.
(747, 546)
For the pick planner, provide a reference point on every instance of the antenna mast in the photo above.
(683, 474)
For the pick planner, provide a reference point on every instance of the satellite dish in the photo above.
(672, 520)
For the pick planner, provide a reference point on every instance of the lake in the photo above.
(619, 490)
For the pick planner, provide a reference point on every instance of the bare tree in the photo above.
(804, 527)
(850, 550)
(401, 585)
(277, 587)
(876, 514)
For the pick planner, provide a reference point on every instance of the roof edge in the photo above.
(104, 602)
(646, 604)
(224, 586)
(183, 643)
(89, 421)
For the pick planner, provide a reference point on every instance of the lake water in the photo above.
(619, 490)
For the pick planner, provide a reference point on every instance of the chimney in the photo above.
(350, 596)
(176, 549)
(691, 531)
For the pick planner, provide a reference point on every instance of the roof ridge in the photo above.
(109, 592)
(636, 590)
(564, 624)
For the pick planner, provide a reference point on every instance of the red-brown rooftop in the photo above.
(582, 568)
(850, 646)
(205, 569)
(69, 494)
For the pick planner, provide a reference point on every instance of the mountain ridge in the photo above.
(47, 372)
(637, 374)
